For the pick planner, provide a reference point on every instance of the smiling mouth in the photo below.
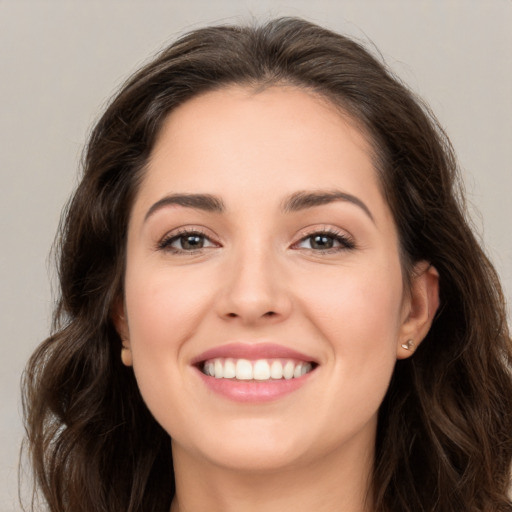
(257, 370)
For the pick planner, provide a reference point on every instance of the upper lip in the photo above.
(252, 351)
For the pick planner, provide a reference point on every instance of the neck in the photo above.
(337, 482)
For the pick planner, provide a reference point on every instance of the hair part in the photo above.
(444, 438)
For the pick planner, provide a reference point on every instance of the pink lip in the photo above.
(252, 391)
(252, 351)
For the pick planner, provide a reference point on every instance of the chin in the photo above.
(251, 447)
(252, 458)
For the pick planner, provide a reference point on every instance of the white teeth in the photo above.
(229, 369)
(288, 370)
(209, 369)
(262, 369)
(243, 369)
(276, 370)
(218, 369)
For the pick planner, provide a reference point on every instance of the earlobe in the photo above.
(126, 356)
(422, 305)
(118, 316)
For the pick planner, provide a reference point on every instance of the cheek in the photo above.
(162, 307)
(356, 306)
(359, 317)
(164, 310)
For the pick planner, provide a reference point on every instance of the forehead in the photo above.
(236, 141)
(300, 108)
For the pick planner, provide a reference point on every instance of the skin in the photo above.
(258, 278)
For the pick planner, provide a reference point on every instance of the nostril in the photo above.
(269, 314)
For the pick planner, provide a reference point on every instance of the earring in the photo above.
(409, 345)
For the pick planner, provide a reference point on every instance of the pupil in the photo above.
(192, 242)
(322, 242)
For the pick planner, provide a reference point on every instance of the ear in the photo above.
(419, 308)
(118, 316)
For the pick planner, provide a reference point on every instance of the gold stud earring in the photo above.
(409, 345)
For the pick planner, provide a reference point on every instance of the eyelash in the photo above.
(166, 243)
(345, 242)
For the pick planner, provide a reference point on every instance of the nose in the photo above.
(255, 290)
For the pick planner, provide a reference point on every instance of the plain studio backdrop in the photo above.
(60, 61)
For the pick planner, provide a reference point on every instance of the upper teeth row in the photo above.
(262, 369)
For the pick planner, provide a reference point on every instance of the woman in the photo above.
(270, 296)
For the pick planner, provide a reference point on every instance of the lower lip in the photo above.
(253, 391)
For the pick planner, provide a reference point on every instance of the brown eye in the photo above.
(321, 242)
(186, 242)
(191, 242)
(325, 241)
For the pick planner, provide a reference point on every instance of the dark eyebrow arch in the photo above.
(205, 202)
(304, 199)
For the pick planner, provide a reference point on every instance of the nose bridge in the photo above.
(254, 287)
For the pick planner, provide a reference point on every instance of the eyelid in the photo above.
(163, 243)
(345, 240)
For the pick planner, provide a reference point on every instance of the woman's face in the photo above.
(260, 233)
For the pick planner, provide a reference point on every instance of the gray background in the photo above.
(61, 60)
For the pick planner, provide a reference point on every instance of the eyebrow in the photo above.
(204, 202)
(304, 199)
(298, 201)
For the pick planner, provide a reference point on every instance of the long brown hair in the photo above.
(444, 440)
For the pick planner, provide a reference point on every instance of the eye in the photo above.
(186, 241)
(325, 241)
